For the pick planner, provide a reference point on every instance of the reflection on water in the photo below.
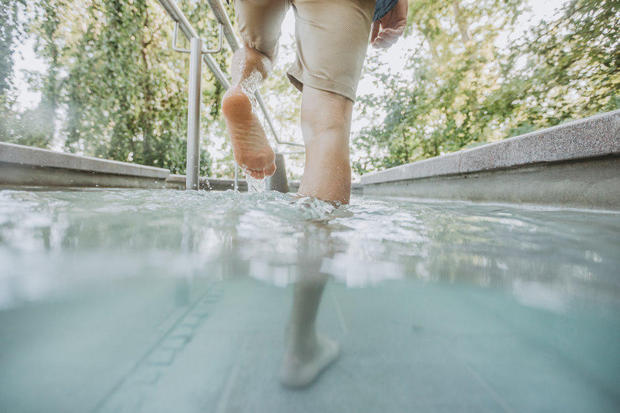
(51, 240)
(182, 298)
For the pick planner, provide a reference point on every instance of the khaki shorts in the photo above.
(331, 36)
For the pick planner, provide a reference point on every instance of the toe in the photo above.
(270, 170)
(257, 174)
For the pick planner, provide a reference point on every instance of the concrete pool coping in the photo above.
(44, 158)
(573, 164)
(28, 166)
(24, 165)
(576, 164)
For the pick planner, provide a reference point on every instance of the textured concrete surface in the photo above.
(24, 165)
(28, 156)
(406, 347)
(25, 175)
(593, 137)
(579, 184)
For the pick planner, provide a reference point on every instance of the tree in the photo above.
(572, 67)
(126, 89)
(112, 83)
(10, 28)
(462, 89)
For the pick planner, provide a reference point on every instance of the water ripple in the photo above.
(51, 241)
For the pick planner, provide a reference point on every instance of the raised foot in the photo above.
(300, 370)
(250, 146)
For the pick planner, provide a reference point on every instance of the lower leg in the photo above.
(302, 326)
(326, 124)
(246, 62)
(307, 353)
(250, 146)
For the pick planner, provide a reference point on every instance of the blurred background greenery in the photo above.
(108, 84)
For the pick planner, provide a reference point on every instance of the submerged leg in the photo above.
(326, 124)
(307, 353)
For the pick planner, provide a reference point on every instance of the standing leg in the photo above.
(332, 38)
(331, 41)
(325, 125)
(307, 352)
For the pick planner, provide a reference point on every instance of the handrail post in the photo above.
(193, 115)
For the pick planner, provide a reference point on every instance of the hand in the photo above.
(386, 31)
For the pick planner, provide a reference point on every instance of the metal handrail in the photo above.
(177, 15)
(207, 51)
(222, 18)
(220, 13)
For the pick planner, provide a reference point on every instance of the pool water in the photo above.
(171, 301)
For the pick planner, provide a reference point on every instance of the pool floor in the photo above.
(216, 347)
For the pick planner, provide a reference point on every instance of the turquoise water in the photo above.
(170, 301)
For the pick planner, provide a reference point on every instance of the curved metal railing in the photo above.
(197, 55)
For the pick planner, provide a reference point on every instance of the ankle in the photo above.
(246, 61)
(301, 340)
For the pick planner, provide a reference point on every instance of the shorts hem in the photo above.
(300, 79)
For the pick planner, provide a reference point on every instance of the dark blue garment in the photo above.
(383, 7)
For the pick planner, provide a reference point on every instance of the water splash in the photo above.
(249, 86)
(254, 185)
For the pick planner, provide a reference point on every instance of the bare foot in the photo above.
(250, 145)
(301, 368)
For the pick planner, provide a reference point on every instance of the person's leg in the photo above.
(332, 38)
(325, 125)
(307, 353)
(259, 21)
(250, 146)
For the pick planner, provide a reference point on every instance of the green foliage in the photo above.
(125, 89)
(10, 29)
(112, 75)
(113, 88)
(572, 69)
(31, 127)
(460, 89)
